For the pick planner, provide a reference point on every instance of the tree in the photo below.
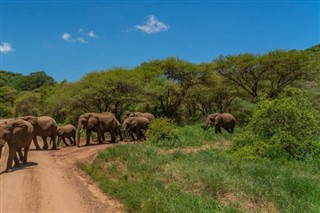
(34, 80)
(7, 97)
(267, 74)
(27, 103)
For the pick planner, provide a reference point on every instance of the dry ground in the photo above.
(53, 183)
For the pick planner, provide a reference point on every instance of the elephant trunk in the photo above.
(208, 124)
(1, 147)
(79, 129)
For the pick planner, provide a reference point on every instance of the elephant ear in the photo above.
(93, 121)
(217, 119)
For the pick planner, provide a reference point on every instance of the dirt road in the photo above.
(53, 183)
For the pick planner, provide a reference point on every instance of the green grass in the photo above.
(146, 178)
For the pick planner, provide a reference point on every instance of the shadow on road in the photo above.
(30, 164)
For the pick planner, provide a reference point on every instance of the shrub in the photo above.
(162, 131)
(286, 127)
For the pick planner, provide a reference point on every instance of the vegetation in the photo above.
(270, 163)
(204, 178)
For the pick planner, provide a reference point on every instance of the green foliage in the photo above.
(286, 127)
(162, 132)
(34, 80)
(27, 103)
(7, 97)
(9, 79)
(266, 75)
(148, 179)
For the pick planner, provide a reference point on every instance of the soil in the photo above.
(52, 182)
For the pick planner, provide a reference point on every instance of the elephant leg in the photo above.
(20, 154)
(16, 160)
(230, 130)
(143, 137)
(64, 141)
(45, 143)
(88, 135)
(113, 137)
(100, 137)
(54, 142)
(119, 133)
(25, 159)
(12, 155)
(35, 141)
(74, 141)
(70, 141)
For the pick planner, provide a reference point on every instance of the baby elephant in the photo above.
(67, 131)
(136, 125)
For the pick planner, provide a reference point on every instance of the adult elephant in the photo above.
(136, 125)
(44, 127)
(224, 120)
(67, 131)
(147, 115)
(17, 134)
(97, 122)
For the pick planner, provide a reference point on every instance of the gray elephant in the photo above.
(224, 120)
(17, 134)
(147, 115)
(136, 125)
(44, 127)
(67, 131)
(99, 123)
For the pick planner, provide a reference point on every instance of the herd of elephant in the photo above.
(19, 133)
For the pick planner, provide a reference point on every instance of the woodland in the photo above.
(271, 161)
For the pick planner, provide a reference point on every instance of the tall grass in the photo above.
(146, 179)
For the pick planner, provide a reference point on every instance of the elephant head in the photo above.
(5, 133)
(31, 119)
(213, 118)
(87, 121)
(127, 123)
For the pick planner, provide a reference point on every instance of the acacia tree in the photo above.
(112, 90)
(267, 74)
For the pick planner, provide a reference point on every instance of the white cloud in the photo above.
(152, 25)
(66, 36)
(81, 40)
(6, 48)
(92, 34)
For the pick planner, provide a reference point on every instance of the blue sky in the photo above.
(68, 39)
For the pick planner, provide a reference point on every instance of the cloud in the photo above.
(92, 34)
(81, 38)
(66, 36)
(6, 48)
(152, 25)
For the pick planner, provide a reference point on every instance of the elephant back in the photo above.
(22, 132)
(147, 115)
(108, 121)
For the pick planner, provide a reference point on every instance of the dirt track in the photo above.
(53, 183)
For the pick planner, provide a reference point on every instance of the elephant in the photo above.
(17, 134)
(67, 131)
(136, 125)
(44, 126)
(100, 123)
(147, 115)
(224, 120)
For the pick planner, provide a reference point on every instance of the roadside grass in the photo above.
(149, 178)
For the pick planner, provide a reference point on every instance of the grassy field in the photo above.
(198, 174)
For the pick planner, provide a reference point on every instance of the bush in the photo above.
(162, 131)
(286, 127)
